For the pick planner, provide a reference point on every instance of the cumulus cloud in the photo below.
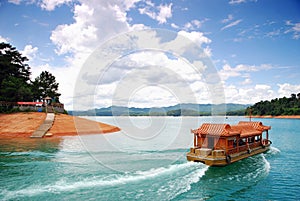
(29, 52)
(287, 89)
(194, 24)
(153, 64)
(197, 37)
(246, 95)
(96, 22)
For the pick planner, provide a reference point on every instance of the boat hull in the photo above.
(224, 160)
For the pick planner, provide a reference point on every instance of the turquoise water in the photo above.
(146, 161)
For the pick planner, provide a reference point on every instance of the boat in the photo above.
(223, 144)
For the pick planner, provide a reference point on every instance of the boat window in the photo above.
(251, 139)
(242, 141)
(257, 138)
(232, 142)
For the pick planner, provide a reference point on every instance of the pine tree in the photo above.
(45, 85)
(14, 75)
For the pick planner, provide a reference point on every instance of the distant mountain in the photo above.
(186, 109)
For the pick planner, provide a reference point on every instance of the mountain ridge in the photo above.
(184, 109)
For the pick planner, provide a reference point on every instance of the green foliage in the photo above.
(278, 106)
(14, 75)
(15, 83)
(45, 85)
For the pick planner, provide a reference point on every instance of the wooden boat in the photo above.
(222, 144)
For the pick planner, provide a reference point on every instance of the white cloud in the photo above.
(247, 81)
(175, 26)
(165, 12)
(194, 24)
(29, 52)
(232, 24)
(294, 28)
(256, 93)
(262, 87)
(4, 40)
(197, 37)
(159, 13)
(52, 4)
(17, 2)
(148, 68)
(237, 1)
(64, 36)
(227, 71)
(287, 89)
(228, 19)
(94, 24)
(142, 82)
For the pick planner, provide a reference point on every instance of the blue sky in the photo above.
(253, 44)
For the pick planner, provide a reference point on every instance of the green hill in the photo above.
(278, 106)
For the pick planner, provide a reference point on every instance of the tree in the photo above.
(14, 75)
(45, 85)
(278, 106)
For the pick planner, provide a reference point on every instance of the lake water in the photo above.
(146, 161)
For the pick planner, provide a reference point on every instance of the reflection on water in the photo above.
(48, 145)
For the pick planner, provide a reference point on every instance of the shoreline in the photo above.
(276, 117)
(22, 125)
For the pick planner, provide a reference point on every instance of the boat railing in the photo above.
(255, 144)
(243, 147)
(237, 149)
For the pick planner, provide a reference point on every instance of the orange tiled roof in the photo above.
(255, 124)
(243, 129)
(216, 129)
(246, 130)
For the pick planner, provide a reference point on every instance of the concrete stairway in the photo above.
(44, 127)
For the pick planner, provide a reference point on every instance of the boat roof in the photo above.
(255, 124)
(244, 129)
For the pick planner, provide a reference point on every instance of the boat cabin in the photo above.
(222, 140)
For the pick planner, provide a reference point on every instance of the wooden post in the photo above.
(195, 140)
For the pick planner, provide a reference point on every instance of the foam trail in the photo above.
(274, 150)
(267, 164)
(63, 186)
(188, 180)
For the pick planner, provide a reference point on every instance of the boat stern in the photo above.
(208, 156)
